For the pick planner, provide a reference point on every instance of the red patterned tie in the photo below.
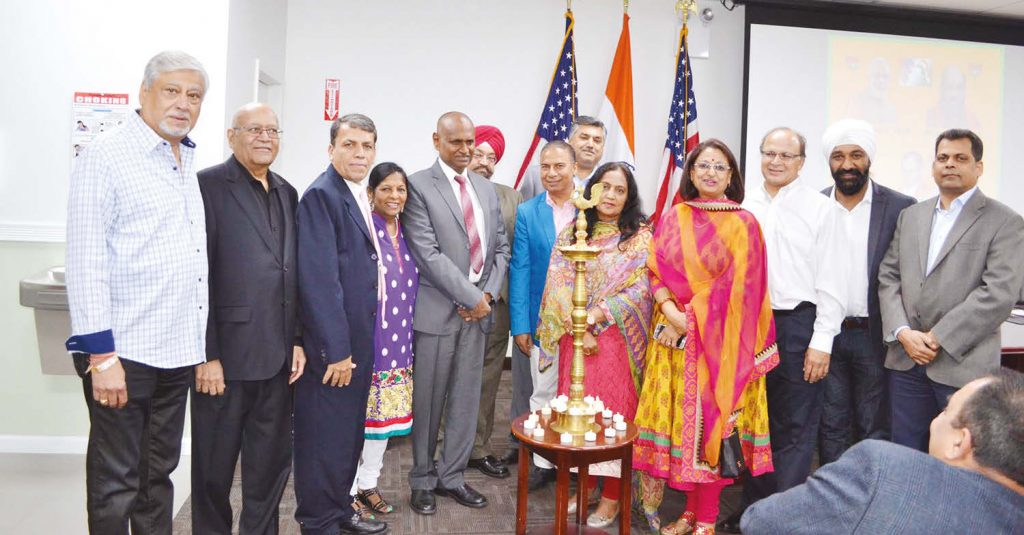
(476, 256)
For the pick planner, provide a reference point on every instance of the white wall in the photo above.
(255, 39)
(53, 48)
(405, 63)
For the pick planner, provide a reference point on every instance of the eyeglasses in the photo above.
(718, 167)
(784, 156)
(489, 158)
(256, 131)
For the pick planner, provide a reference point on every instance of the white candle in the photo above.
(538, 432)
(529, 424)
(589, 399)
(618, 418)
(620, 426)
(598, 406)
(533, 418)
(606, 414)
(575, 411)
(590, 436)
(545, 411)
(566, 438)
(609, 432)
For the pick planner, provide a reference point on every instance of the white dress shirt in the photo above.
(136, 250)
(853, 226)
(806, 262)
(942, 223)
(478, 212)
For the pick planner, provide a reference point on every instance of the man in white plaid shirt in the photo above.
(137, 289)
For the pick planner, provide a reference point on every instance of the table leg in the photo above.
(626, 490)
(562, 493)
(582, 495)
(521, 489)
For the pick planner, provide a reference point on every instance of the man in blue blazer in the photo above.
(338, 288)
(970, 481)
(538, 222)
(856, 394)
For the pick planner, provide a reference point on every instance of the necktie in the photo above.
(476, 256)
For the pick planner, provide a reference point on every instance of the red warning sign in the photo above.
(332, 94)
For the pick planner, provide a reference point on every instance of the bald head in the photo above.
(254, 138)
(454, 140)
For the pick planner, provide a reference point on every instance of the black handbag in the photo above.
(730, 458)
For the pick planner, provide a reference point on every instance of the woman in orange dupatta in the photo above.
(708, 273)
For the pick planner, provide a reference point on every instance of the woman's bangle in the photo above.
(661, 304)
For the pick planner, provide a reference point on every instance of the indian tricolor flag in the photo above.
(616, 110)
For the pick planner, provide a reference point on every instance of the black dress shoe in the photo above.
(540, 477)
(511, 456)
(465, 495)
(423, 502)
(355, 524)
(731, 524)
(490, 466)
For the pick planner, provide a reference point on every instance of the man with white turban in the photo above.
(855, 405)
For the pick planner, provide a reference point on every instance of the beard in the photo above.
(850, 186)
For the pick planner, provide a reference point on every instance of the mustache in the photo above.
(850, 186)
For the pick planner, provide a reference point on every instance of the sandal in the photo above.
(686, 524)
(363, 511)
(373, 499)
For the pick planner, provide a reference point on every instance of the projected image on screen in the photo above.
(910, 89)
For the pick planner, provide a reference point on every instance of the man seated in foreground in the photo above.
(971, 481)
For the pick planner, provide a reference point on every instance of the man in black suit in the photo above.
(241, 400)
(856, 395)
(339, 289)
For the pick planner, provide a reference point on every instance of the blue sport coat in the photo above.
(531, 253)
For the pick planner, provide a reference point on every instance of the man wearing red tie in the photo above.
(454, 228)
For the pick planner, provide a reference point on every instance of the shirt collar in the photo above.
(450, 173)
(958, 203)
(551, 202)
(868, 195)
(783, 191)
(148, 138)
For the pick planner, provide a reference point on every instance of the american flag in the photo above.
(560, 108)
(683, 135)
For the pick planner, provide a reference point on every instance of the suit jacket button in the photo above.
(286, 269)
(373, 257)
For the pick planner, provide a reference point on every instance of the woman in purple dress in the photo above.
(389, 409)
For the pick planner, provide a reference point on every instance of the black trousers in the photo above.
(133, 450)
(794, 407)
(856, 405)
(251, 418)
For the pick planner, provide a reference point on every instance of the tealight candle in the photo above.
(566, 438)
(590, 436)
(606, 414)
(563, 398)
(609, 432)
(598, 406)
(589, 399)
(545, 411)
(620, 426)
(618, 418)
(533, 417)
(538, 432)
(529, 424)
(575, 411)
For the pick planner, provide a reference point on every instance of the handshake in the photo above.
(479, 312)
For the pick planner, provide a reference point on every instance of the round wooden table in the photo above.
(581, 455)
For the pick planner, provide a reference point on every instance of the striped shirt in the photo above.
(136, 250)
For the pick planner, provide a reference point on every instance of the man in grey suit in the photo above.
(971, 481)
(855, 399)
(949, 279)
(455, 232)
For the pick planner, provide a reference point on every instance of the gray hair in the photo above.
(354, 120)
(586, 120)
(172, 60)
